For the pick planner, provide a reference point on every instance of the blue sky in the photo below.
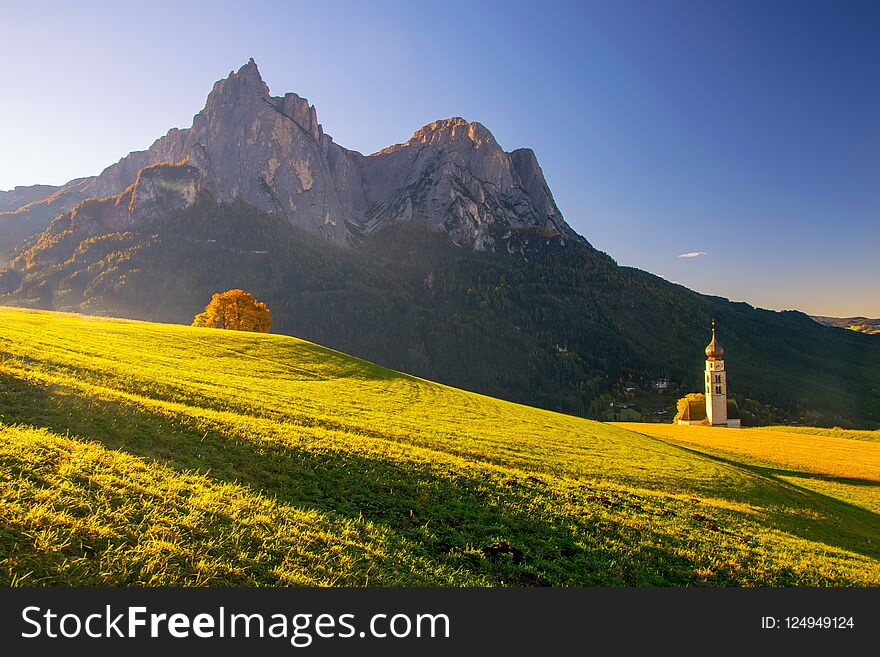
(745, 131)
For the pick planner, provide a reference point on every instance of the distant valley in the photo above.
(859, 324)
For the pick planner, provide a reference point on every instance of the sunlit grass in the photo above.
(820, 452)
(841, 464)
(852, 434)
(137, 453)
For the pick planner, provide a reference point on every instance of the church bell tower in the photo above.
(716, 383)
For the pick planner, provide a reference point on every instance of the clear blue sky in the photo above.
(747, 131)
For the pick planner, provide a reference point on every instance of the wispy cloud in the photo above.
(692, 254)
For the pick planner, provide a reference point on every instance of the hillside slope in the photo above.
(138, 453)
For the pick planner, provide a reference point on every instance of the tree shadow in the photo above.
(502, 530)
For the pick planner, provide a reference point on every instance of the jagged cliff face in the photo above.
(272, 153)
(453, 176)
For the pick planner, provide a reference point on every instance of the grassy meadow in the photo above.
(843, 465)
(146, 454)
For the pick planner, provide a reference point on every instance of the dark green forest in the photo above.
(541, 320)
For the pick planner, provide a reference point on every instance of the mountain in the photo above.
(444, 257)
(24, 195)
(860, 324)
(15, 228)
(271, 153)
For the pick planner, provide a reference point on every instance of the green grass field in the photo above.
(146, 454)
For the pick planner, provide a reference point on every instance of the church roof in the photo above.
(696, 411)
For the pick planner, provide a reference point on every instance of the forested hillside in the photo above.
(544, 320)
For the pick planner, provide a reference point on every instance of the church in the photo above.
(717, 411)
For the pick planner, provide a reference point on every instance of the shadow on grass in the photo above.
(480, 524)
(802, 474)
(859, 523)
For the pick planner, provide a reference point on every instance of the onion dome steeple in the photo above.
(714, 351)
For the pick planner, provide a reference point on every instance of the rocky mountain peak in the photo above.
(247, 78)
(299, 110)
(447, 131)
(235, 95)
(272, 153)
(246, 87)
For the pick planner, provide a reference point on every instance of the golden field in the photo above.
(143, 454)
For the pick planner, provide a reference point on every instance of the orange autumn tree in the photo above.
(235, 310)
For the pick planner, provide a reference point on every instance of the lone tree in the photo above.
(235, 310)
